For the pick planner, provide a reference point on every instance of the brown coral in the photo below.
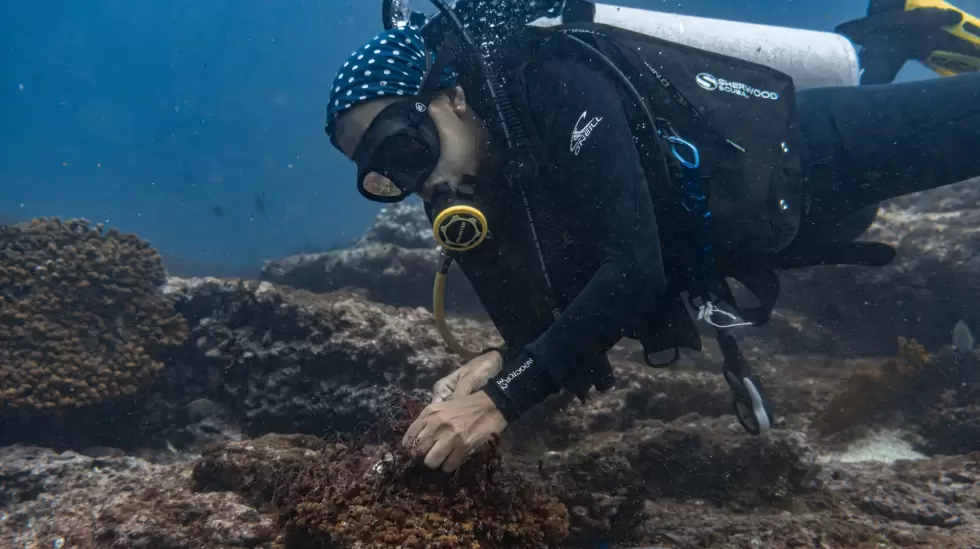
(81, 315)
(870, 390)
(375, 496)
(378, 497)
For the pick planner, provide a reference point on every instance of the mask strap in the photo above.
(434, 71)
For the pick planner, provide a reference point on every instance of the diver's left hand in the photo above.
(447, 432)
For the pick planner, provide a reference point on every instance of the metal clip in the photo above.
(705, 312)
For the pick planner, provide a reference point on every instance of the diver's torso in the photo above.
(525, 279)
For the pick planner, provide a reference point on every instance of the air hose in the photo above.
(439, 309)
(514, 135)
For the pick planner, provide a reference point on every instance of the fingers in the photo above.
(455, 459)
(436, 439)
(439, 452)
(445, 387)
(425, 431)
(428, 438)
(447, 453)
(477, 374)
(466, 384)
(444, 434)
(412, 434)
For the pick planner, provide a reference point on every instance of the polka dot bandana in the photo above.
(391, 64)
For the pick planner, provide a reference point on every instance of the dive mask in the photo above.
(398, 152)
(396, 156)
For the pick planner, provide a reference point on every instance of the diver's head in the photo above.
(403, 143)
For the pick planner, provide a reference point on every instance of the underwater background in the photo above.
(234, 366)
(199, 125)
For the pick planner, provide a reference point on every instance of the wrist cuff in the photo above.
(520, 385)
(507, 353)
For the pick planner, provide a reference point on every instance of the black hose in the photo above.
(513, 130)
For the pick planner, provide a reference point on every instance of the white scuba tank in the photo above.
(813, 59)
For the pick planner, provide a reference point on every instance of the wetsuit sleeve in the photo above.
(594, 159)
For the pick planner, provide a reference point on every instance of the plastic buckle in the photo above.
(751, 407)
(709, 309)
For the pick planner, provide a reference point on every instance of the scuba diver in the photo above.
(592, 183)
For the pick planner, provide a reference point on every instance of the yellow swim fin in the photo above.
(963, 53)
(934, 32)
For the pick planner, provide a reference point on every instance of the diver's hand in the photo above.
(470, 377)
(447, 432)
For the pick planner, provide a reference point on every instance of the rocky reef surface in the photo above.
(839, 309)
(394, 262)
(929, 287)
(271, 419)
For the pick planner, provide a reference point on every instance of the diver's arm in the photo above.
(602, 172)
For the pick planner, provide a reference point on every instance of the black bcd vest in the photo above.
(741, 117)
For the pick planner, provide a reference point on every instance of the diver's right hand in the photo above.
(469, 378)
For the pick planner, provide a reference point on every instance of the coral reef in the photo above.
(401, 224)
(836, 309)
(289, 360)
(606, 478)
(869, 392)
(376, 496)
(81, 314)
(78, 502)
(657, 460)
(930, 285)
(226, 498)
(936, 396)
(393, 262)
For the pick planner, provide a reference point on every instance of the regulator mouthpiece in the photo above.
(459, 225)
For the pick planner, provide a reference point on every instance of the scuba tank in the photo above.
(813, 59)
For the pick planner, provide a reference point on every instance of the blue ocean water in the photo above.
(198, 125)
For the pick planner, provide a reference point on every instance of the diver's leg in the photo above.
(871, 143)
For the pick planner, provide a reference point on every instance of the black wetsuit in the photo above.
(915, 136)
(871, 143)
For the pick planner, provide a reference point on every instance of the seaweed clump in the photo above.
(870, 391)
(378, 497)
(81, 315)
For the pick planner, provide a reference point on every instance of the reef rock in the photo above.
(280, 359)
(68, 500)
(374, 496)
(929, 287)
(838, 309)
(936, 396)
(403, 224)
(276, 359)
(394, 262)
(690, 485)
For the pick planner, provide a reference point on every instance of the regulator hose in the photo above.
(439, 309)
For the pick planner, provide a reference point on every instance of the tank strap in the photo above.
(686, 191)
